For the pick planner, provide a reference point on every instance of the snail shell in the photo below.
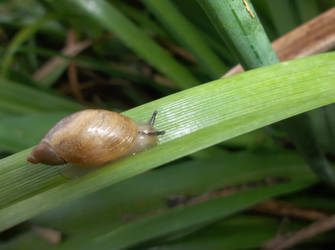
(94, 137)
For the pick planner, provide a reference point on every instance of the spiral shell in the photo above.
(92, 138)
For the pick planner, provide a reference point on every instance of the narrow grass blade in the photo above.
(110, 18)
(284, 16)
(20, 132)
(193, 119)
(20, 99)
(17, 41)
(254, 50)
(172, 221)
(240, 28)
(190, 179)
(187, 35)
(307, 9)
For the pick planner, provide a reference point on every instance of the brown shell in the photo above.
(93, 137)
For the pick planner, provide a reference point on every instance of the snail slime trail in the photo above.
(93, 137)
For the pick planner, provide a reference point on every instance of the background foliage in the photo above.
(219, 160)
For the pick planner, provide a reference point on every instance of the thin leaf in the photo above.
(240, 28)
(284, 16)
(20, 99)
(104, 212)
(20, 132)
(254, 50)
(198, 214)
(17, 41)
(307, 9)
(311, 38)
(179, 26)
(104, 66)
(193, 119)
(107, 16)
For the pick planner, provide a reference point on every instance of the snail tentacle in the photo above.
(151, 133)
(151, 122)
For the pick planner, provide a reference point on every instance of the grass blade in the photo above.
(187, 35)
(254, 50)
(242, 31)
(195, 178)
(21, 37)
(107, 16)
(20, 99)
(284, 16)
(206, 114)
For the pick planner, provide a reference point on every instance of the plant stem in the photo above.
(239, 26)
(107, 16)
(187, 35)
(300, 131)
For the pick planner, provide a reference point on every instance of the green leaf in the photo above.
(172, 221)
(237, 22)
(20, 132)
(20, 99)
(307, 9)
(193, 119)
(187, 35)
(102, 215)
(323, 122)
(284, 16)
(17, 41)
(241, 29)
(103, 66)
(107, 16)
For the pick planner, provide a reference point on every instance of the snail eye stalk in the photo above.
(151, 122)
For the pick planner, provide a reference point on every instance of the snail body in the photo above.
(94, 137)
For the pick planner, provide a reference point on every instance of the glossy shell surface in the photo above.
(93, 137)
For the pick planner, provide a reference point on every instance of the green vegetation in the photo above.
(230, 143)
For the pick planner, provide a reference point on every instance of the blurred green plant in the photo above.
(134, 63)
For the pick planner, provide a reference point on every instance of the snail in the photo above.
(94, 137)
